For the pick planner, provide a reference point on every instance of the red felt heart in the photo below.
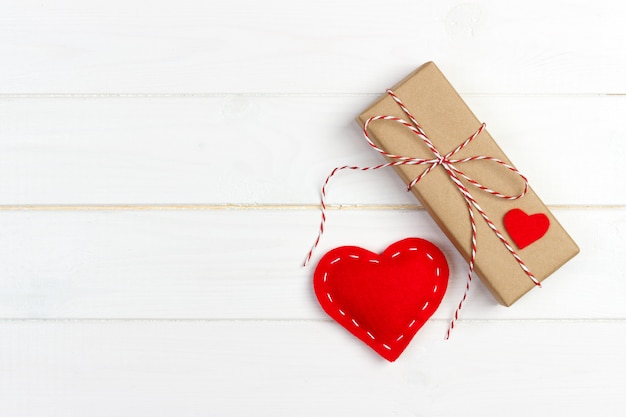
(525, 229)
(382, 299)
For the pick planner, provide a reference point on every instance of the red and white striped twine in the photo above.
(447, 162)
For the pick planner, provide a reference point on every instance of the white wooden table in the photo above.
(160, 164)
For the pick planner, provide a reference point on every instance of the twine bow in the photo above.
(447, 162)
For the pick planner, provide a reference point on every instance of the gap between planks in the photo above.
(13, 96)
(296, 320)
(252, 206)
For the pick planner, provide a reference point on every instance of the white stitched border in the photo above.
(376, 261)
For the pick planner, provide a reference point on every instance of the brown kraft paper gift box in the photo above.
(448, 121)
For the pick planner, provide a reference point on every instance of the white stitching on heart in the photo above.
(356, 324)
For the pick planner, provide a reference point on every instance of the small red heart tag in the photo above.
(525, 229)
(382, 299)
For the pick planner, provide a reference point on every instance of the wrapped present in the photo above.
(467, 184)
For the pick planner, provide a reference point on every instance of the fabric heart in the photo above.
(525, 229)
(382, 299)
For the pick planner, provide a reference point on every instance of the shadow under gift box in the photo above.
(448, 122)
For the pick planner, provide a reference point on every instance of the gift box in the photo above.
(537, 244)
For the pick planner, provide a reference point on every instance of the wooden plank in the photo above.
(246, 264)
(195, 46)
(308, 369)
(277, 150)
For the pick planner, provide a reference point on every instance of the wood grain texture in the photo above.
(307, 368)
(160, 165)
(243, 46)
(277, 150)
(246, 264)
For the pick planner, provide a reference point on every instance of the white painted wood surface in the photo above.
(159, 171)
